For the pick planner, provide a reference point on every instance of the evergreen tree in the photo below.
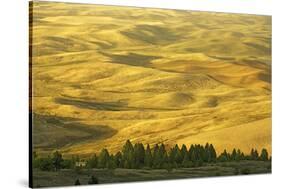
(172, 156)
(264, 155)
(178, 156)
(127, 165)
(224, 156)
(148, 157)
(184, 152)
(242, 156)
(156, 157)
(128, 155)
(213, 153)
(254, 155)
(185, 158)
(162, 156)
(127, 148)
(103, 159)
(92, 162)
(238, 156)
(203, 154)
(136, 156)
(197, 152)
(207, 155)
(165, 161)
(139, 154)
(57, 160)
(233, 155)
(186, 161)
(192, 151)
(200, 162)
(118, 160)
(110, 164)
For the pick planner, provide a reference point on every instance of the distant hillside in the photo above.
(103, 74)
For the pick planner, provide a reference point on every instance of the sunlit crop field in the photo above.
(105, 74)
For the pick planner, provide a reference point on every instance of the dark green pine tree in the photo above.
(57, 160)
(163, 156)
(224, 156)
(264, 155)
(213, 153)
(207, 153)
(242, 156)
(184, 152)
(172, 156)
(148, 157)
(186, 162)
(165, 163)
(111, 163)
(202, 154)
(178, 156)
(238, 156)
(192, 153)
(155, 156)
(254, 155)
(103, 158)
(199, 154)
(92, 162)
(139, 154)
(128, 155)
(126, 164)
(233, 155)
(118, 160)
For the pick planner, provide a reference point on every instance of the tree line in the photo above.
(157, 157)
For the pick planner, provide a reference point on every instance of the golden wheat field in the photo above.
(104, 74)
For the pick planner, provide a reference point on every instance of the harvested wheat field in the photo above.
(103, 74)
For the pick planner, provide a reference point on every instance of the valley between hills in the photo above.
(104, 74)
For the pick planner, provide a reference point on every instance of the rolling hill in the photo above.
(105, 74)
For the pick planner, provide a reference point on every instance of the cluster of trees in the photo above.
(157, 157)
(137, 156)
(54, 162)
(237, 155)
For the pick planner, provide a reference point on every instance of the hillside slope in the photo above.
(104, 74)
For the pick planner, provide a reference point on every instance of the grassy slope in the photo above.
(68, 177)
(104, 74)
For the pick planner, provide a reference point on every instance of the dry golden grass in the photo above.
(105, 74)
